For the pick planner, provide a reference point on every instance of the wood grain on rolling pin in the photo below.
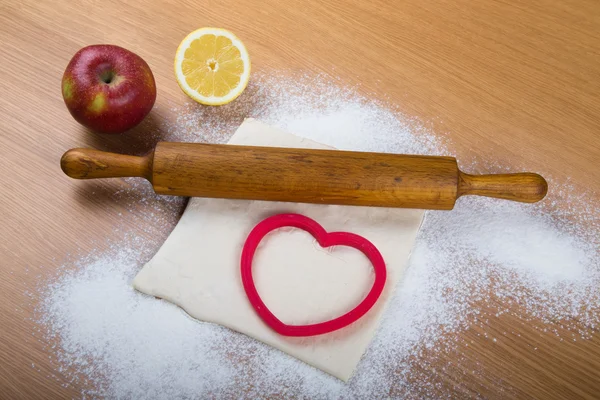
(304, 175)
(300, 175)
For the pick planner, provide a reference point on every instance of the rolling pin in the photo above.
(303, 175)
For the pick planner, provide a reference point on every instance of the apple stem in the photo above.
(107, 76)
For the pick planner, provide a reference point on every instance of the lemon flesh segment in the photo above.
(212, 66)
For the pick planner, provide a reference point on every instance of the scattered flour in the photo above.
(540, 262)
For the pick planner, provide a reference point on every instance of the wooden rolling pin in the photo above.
(303, 175)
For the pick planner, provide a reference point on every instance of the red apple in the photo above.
(108, 89)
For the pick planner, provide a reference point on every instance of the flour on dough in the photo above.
(198, 267)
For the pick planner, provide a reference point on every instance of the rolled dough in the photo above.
(198, 267)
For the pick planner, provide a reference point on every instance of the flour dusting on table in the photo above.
(484, 259)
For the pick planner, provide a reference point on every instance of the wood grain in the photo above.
(92, 163)
(506, 80)
(303, 175)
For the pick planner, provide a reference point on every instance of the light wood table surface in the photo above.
(507, 80)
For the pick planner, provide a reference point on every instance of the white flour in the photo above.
(540, 261)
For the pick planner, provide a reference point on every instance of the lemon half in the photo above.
(212, 66)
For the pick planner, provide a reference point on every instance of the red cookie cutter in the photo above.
(325, 239)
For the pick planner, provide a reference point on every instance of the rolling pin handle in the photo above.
(524, 187)
(92, 164)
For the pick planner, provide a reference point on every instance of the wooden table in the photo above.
(516, 81)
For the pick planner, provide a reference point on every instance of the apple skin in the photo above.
(108, 89)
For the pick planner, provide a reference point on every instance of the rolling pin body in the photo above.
(303, 175)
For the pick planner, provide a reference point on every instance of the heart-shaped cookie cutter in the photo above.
(325, 239)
